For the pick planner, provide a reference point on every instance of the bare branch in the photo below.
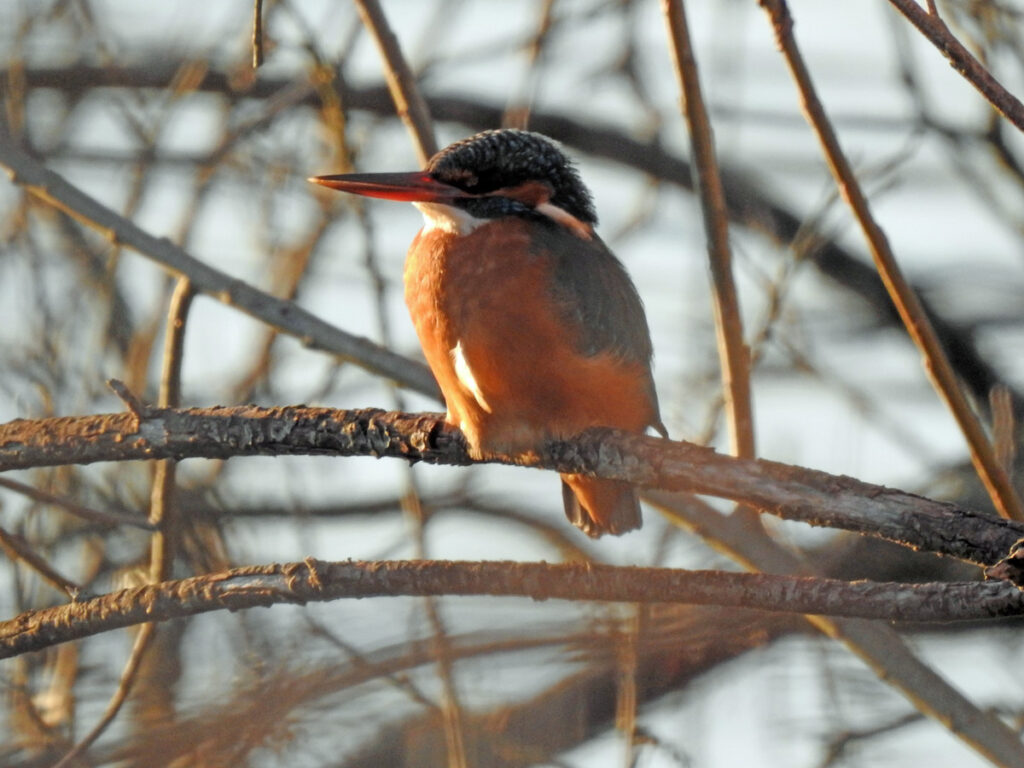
(257, 34)
(734, 355)
(316, 581)
(283, 315)
(162, 515)
(142, 643)
(162, 506)
(915, 319)
(409, 104)
(794, 493)
(86, 513)
(16, 548)
(963, 61)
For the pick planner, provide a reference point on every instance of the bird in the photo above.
(530, 324)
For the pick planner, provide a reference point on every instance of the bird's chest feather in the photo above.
(507, 355)
(485, 314)
(466, 285)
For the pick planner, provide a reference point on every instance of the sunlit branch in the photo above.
(791, 492)
(315, 581)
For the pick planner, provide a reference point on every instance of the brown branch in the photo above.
(962, 60)
(317, 581)
(409, 104)
(162, 515)
(86, 513)
(283, 315)
(16, 548)
(876, 643)
(733, 353)
(915, 320)
(141, 645)
(794, 493)
(520, 100)
(257, 34)
(1004, 427)
(162, 512)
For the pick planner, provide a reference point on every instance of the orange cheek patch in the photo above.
(537, 195)
(531, 193)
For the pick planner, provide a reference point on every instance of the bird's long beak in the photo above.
(415, 187)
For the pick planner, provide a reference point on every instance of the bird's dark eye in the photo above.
(461, 178)
(489, 180)
(479, 182)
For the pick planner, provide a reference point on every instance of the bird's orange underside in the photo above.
(490, 292)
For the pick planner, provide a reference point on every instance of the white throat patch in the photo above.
(448, 218)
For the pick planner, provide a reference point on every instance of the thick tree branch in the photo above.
(794, 493)
(877, 644)
(315, 581)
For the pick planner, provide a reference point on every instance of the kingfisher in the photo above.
(530, 324)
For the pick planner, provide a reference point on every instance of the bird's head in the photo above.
(491, 175)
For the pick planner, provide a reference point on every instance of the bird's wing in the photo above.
(601, 304)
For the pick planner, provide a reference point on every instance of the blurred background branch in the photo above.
(151, 122)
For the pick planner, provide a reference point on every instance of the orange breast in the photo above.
(504, 356)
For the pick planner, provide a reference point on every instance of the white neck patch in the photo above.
(466, 377)
(448, 218)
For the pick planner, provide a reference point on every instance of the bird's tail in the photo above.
(598, 507)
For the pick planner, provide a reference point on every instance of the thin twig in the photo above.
(936, 364)
(734, 355)
(131, 401)
(1004, 427)
(451, 709)
(257, 34)
(517, 110)
(16, 548)
(283, 315)
(409, 103)
(290, 270)
(962, 60)
(627, 638)
(161, 514)
(128, 674)
(78, 510)
(161, 510)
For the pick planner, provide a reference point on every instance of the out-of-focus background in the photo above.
(155, 109)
